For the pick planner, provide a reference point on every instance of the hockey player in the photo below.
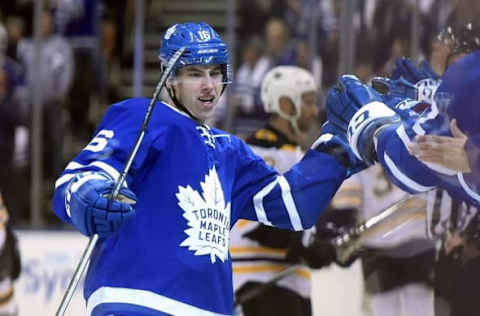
(13, 114)
(453, 223)
(163, 246)
(259, 252)
(392, 287)
(459, 152)
(9, 264)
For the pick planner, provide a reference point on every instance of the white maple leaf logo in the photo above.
(208, 218)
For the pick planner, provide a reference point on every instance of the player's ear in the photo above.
(287, 106)
(171, 84)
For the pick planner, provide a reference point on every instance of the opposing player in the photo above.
(259, 252)
(10, 265)
(163, 245)
(390, 249)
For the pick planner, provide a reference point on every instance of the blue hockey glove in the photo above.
(405, 98)
(90, 209)
(358, 108)
(333, 141)
(346, 98)
(393, 91)
(405, 68)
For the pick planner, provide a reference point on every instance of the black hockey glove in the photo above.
(317, 248)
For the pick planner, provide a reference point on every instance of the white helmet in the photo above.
(288, 81)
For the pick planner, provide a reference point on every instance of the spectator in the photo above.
(79, 22)
(12, 115)
(55, 68)
(245, 99)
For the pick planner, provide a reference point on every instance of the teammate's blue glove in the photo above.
(90, 209)
(393, 91)
(357, 108)
(396, 90)
(405, 68)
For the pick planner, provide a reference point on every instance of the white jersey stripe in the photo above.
(87, 177)
(74, 165)
(112, 172)
(400, 176)
(467, 189)
(290, 204)
(402, 134)
(258, 202)
(146, 299)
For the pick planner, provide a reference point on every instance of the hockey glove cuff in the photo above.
(333, 141)
(363, 127)
(90, 209)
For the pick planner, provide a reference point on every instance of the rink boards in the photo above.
(48, 261)
(49, 258)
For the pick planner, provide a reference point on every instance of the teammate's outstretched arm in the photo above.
(377, 133)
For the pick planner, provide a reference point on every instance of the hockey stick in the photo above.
(259, 290)
(351, 241)
(87, 253)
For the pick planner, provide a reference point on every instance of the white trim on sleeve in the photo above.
(290, 204)
(112, 172)
(400, 176)
(467, 189)
(145, 299)
(258, 202)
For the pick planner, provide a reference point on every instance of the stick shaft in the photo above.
(350, 242)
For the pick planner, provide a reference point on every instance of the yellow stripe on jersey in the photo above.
(349, 195)
(289, 147)
(264, 134)
(347, 202)
(241, 223)
(302, 272)
(257, 250)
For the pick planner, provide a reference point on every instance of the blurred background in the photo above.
(65, 61)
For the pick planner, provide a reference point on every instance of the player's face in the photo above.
(309, 111)
(198, 88)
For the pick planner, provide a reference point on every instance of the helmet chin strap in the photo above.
(294, 124)
(292, 119)
(171, 93)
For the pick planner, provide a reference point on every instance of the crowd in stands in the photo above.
(83, 41)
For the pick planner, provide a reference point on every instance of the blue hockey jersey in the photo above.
(413, 175)
(193, 182)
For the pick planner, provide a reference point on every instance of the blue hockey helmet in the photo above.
(203, 47)
(460, 93)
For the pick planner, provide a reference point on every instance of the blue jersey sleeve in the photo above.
(413, 175)
(293, 200)
(110, 148)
